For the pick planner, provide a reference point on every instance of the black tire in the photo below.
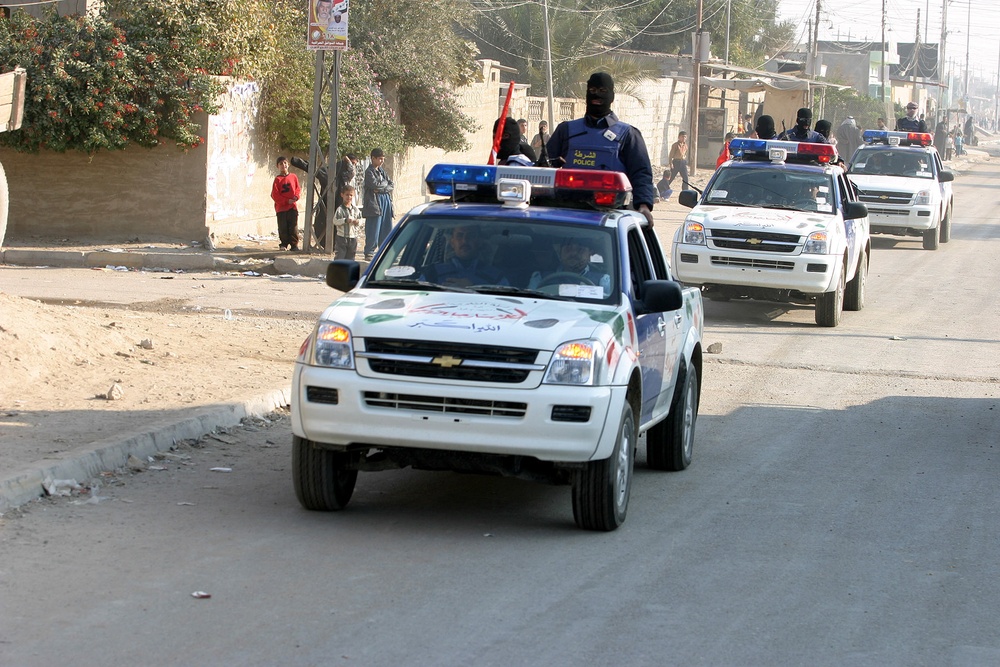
(930, 239)
(830, 305)
(854, 295)
(945, 233)
(602, 489)
(670, 444)
(322, 480)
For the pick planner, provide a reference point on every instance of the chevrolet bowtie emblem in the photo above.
(883, 196)
(754, 241)
(446, 361)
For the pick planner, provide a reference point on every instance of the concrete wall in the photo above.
(164, 193)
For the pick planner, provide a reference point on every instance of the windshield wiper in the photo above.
(421, 284)
(520, 291)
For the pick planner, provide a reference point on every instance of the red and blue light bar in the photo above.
(896, 138)
(771, 149)
(610, 189)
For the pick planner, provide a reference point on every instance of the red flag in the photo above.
(498, 135)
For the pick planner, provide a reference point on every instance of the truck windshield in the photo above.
(547, 260)
(908, 164)
(772, 188)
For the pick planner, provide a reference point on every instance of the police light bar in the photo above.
(779, 151)
(610, 189)
(894, 138)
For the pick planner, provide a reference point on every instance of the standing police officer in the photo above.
(600, 141)
(910, 122)
(801, 131)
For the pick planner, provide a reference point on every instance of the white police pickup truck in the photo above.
(899, 176)
(527, 326)
(778, 222)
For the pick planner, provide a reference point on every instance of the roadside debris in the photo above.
(116, 393)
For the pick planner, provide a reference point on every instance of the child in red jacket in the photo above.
(285, 193)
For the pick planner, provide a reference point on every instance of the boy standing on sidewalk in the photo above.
(285, 192)
(347, 219)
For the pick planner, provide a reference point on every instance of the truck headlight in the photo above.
(333, 346)
(923, 198)
(817, 244)
(694, 233)
(577, 363)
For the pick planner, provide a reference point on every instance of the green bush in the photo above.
(91, 87)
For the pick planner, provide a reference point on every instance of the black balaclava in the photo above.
(600, 80)
(511, 139)
(765, 127)
(804, 118)
(824, 127)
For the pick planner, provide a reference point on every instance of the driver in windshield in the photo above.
(465, 267)
(574, 258)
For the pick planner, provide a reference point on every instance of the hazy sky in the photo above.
(861, 19)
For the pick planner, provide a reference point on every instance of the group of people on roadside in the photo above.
(376, 209)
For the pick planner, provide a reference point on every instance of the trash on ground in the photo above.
(201, 595)
(60, 487)
(220, 469)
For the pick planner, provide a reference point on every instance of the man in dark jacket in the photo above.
(377, 209)
(801, 131)
(910, 122)
(600, 141)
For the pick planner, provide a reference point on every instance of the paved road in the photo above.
(842, 509)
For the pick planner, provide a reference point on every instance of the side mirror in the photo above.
(946, 176)
(688, 198)
(343, 274)
(660, 296)
(854, 210)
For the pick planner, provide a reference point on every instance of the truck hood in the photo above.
(779, 221)
(472, 318)
(891, 183)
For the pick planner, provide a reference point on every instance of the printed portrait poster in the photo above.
(327, 25)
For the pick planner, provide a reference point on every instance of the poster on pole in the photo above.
(327, 25)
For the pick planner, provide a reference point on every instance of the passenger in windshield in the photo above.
(466, 266)
(574, 267)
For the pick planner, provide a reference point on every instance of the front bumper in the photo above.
(341, 408)
(809, 274)
(897, 219)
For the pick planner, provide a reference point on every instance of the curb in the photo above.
(25, 485)
(200, 262)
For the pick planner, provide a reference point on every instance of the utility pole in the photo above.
(548, 69)
(882, 66)
(814, 70)
(968, 29)
(942, 82)
(996, 106)
(695, 95)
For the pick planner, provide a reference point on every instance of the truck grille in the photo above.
(444, 404)
(875, 210)
(885, 197)
(450, 361)
(745, 263)
(739, 239)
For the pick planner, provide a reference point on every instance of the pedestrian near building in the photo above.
(724, 154)
(541, 138)
(678, 163)
(910, 122)
(285, 191)
(347, 221)
(377, 208)
(600, 140)
(848, 137)
(880, 124)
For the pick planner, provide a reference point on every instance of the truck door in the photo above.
(651, 328)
